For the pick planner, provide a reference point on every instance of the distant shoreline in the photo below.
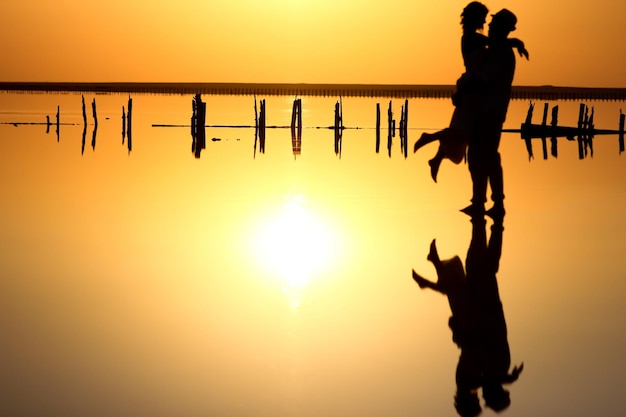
(327, 90)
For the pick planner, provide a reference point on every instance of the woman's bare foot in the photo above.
(434, 167)
(425, 139)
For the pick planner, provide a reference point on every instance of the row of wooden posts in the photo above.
(583, 133)
(126, 124)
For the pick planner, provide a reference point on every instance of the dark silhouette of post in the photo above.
(338, 128)
(377, 127)
(84, 110)
(95, 124)
(544, 123)
(198, 121)
(296, 127)
(58, 123)
(554, 123)
(123, 124)
(256, 126)
(390, 129)
(129, 121)
(621, 131)
(404, 129)
(262, 126)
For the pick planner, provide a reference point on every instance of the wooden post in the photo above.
(336, 128)
(406, 127)
(377, 127)
(554, 122)
(544, 123)
(84, 111)
(123, 124)
(256, 126)
(300, 115)
(95, 115)
(581, 116)
(390, 126)
(294, 115)
(529, 114)
(58, 121)
(621, 131)
(129, 130)
(262, 127)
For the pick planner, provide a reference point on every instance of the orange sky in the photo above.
(572, 43)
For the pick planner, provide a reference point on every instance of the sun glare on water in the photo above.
(294, 245)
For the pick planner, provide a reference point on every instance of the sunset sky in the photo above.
(571, 43)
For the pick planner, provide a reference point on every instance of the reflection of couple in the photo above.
(481, 100)
(477, 322)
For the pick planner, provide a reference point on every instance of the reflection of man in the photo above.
(477, 323)
(495, 78)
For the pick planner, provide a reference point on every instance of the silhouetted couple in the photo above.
(481, 100)
(477, 322)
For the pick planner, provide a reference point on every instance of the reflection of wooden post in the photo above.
(377, 127)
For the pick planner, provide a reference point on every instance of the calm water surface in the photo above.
(150, 282)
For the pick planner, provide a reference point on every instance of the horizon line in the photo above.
(519, 92)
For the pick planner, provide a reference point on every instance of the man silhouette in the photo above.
(494, 79)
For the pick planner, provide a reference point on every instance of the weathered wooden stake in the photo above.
(377, 127)
(58, 122)
(554, 122)
(129, 130)
(621, 131)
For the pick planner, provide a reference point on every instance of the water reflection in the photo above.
(477, 322)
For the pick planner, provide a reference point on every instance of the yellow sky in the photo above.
(572, 43)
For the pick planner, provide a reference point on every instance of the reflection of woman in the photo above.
(453, 140)
(477, 322)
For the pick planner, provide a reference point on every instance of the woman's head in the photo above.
(474, 16)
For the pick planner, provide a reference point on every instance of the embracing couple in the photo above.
(481, 100)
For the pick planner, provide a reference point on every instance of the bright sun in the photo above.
(294, 245)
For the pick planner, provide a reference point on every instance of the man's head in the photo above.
(502, 23)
